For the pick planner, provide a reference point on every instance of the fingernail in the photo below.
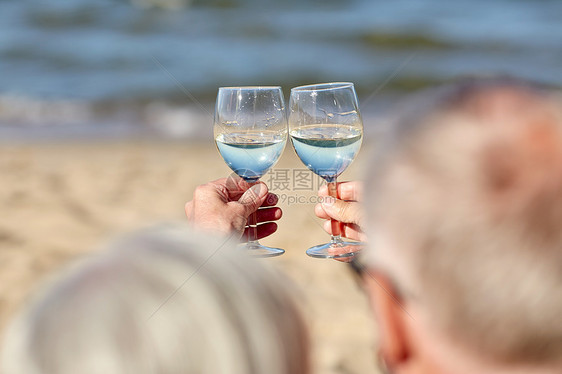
(258, 189)
(272, 199)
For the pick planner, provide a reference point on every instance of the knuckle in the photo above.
(236, 208)
(238, 222)
(344, 211)
(199, 190)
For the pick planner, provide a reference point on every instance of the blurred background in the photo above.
(106, 117)
(127, 64)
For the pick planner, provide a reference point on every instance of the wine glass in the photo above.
(326, 130)
(250, 132)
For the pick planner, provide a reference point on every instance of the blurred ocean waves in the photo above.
(120, 67)
(24, 118)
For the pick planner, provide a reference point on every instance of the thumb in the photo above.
(253, 198)
(343, 211)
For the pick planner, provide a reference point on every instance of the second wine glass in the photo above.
(250, 132)
(326, 129)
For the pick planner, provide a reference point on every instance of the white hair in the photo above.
(164, 301)
(466, 215)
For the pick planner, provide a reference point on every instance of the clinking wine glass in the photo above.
(250, 131)
(326, 130)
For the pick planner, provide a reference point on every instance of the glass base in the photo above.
(255, 249)
(335, 250)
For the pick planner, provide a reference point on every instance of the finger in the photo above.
(350, 231)
(270, 200)
(344, 259)
(320, 212)
(347, 252)
(233, 185)
(253, 198)
(268, 214)
(343, 211)
(323, 191)
(210, 193)
(264, 230)
(352, 190)
(237, 187)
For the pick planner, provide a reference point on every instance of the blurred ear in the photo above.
(394, 343)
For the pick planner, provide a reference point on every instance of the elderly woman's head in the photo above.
(164, 301)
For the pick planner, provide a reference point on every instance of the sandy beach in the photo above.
(63, 200)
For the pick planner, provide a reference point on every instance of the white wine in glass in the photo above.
(326, 130)
(251, 132)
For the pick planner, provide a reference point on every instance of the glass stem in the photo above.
(252, 229)
(336, 225)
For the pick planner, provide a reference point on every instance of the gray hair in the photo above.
(163, 301)
(466, 215)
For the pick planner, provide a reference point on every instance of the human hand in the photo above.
(348, 210)
(224, 206)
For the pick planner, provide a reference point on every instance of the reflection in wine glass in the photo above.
(251, 132)
(326, 130)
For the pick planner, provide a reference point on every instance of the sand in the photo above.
(60, 201)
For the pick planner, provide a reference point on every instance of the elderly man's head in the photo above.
(466, 220)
